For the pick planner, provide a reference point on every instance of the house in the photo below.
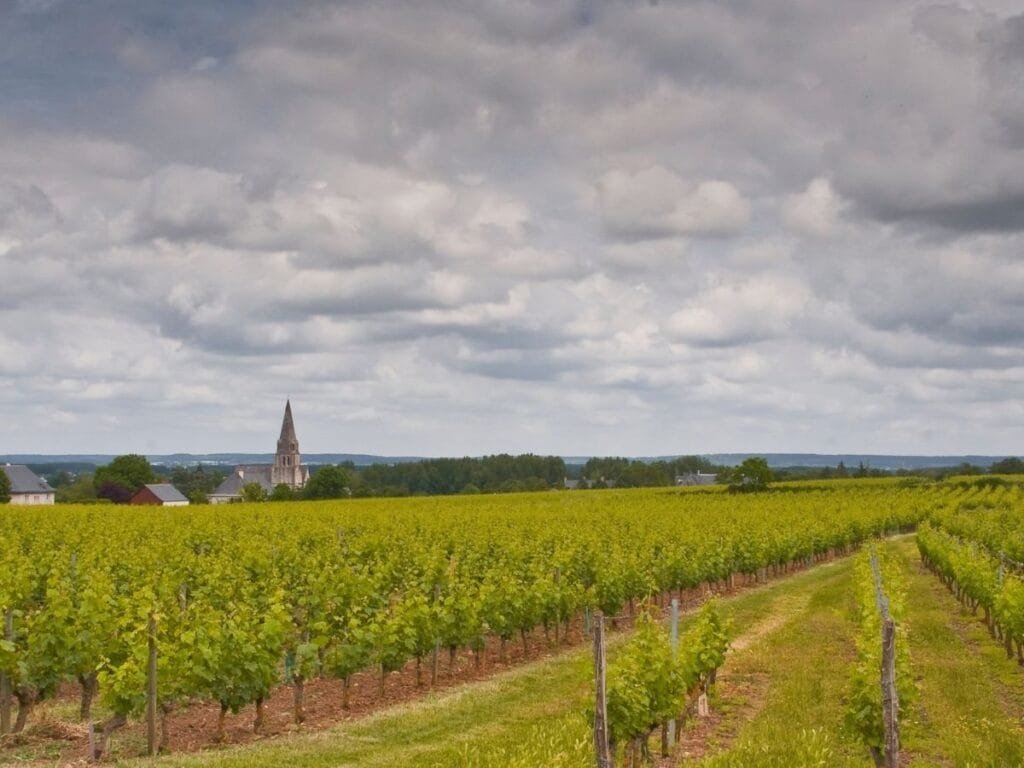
(287, 468)
(697, 478)
(161, 494)
(26, 486)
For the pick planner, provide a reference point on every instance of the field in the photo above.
(264, 612)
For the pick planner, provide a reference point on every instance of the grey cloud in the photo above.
(557, 220)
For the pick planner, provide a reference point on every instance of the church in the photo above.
(287, 468)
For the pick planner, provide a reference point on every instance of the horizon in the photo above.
(778, 455)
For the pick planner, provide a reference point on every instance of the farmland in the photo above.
(243, 606)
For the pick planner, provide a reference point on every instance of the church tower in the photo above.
(288, 469)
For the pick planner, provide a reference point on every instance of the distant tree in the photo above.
(253, 492)
(328, 483)
(80, 491)
(121, 478)
(59, 478)
(282, 492)
(198, 481)
(469, 489)
(196, 496)
(1010, 466)
(841, 470)
(752, 475)
(965, 468)
(5, 488)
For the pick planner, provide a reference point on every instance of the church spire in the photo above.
(288, 467)
(287, 437)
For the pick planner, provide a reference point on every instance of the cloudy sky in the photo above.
(447, 228)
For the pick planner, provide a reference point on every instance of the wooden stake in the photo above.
(890, 700)
(151, 738)
(604, 757)
(674, 638)
(437, 641)
(5, 684)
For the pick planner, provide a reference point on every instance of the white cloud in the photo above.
(655, 202)
(740, 312)
(815, 211)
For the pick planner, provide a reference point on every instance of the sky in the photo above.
(559, 227)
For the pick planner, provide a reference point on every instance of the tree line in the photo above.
(118, 481)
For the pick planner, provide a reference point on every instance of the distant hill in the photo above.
(852, 460)
(775, 460)
(821, 460)
(219, 459)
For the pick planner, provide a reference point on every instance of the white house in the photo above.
(26, 486)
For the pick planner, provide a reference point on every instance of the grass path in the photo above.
(971, 697)
(969, 706)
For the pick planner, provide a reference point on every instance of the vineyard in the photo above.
(227, 605)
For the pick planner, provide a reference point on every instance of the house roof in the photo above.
(24, 480)
(166, 492)
(243, 475)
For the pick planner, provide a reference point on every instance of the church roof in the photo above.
(242, 475)
(288, 426)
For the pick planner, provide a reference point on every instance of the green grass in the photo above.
(801, 667)
(971, 697)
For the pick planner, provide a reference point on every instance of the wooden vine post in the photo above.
(670, 735)
(601, 747)
(890, 702)
(558, 607)
(437, 640)
(151, 703)
(5, 683)
(890, 699)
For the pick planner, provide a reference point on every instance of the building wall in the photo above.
(32, 498)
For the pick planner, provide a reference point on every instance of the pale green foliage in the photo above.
(348, 584)
(705, 643)
(648, 684)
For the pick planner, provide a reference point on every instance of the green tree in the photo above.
(80, 491)
(752, 475)
(5, 487)
(197, 482)
(1009, 466)
(282, 492)
(328, 483)
(253, 492)
(121, 478)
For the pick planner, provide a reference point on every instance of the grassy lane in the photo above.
(971, 697)
(970, 701)
(782, 695)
